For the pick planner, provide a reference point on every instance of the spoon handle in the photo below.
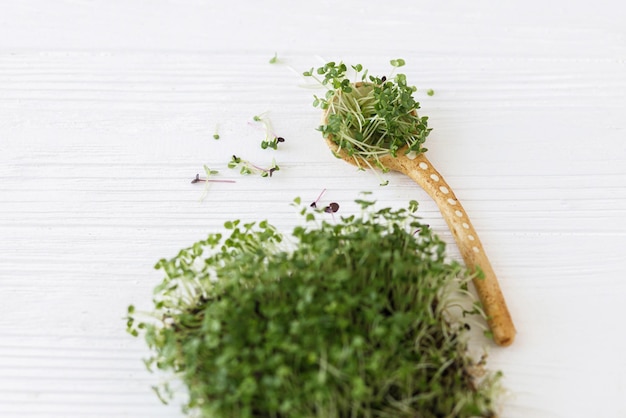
(498, 317)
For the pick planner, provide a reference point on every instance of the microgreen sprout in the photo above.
(209, 173)
(246, 167)
(355, 319)
(198, 179)
(331, 208)
(271, 140)
(274, 59)
(314, 203)
(208, 180)
(216, 134)
(371, 118)
(272, 143)
(430, 92)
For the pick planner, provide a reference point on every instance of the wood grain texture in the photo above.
(107, 110)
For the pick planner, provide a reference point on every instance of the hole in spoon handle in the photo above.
(487, 287)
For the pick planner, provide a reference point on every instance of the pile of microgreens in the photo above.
(350, 318)
(370, 118)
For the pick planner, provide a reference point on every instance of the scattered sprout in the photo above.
(273, 144)
(246, 167)
(209, 173)
(430, 92)
(208, 180)
(274, 59)
(331, 208)
(314, 203)
(271, 140)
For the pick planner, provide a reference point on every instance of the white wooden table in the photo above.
(107, 111)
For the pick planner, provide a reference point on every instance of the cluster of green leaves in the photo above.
(350, 320)
(272, 143)
(246, 167)
(372, 117)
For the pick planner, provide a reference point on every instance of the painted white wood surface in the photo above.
(107, 110)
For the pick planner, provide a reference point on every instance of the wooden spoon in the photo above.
(423, 173)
